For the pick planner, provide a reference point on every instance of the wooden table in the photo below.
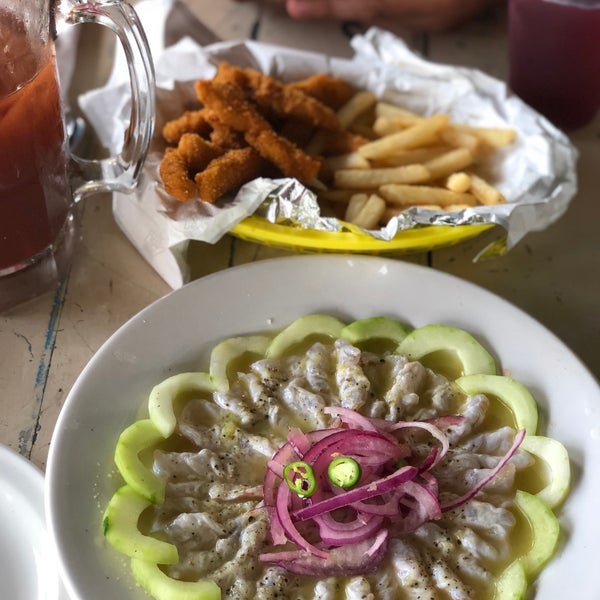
(44, 344)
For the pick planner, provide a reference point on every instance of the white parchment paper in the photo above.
(536, 174)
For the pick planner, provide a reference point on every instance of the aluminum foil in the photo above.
(536, 174)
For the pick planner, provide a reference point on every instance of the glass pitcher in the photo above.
(41, 182)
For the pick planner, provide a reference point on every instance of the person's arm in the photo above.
(422, 15)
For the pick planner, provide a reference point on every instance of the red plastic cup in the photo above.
(554, 50)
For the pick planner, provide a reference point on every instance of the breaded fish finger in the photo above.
(228, 172)
(197, 152)
(332, 91)
(190, 122)
(228, 101)
(288, 101)
(285, 155)
(341, 142)
(174, 174)
(276, 97)
(245, 78)
(230, 104)
(223, 135)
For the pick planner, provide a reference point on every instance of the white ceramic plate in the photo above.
(28, 570)
(177, 332)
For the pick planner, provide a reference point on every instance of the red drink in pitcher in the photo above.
(555, 58)
(34, 190)
(41, 181)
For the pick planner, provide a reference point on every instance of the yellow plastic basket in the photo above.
(421, 239)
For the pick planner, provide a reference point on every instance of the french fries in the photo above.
(424, 195)
(449, 162)
(352, 160)
(416, 161)
(369, 179)
(484, 192)
(366, 159)
(494, 137)
(355, 107)
(422, 133)
(365, 210)
(459, 182)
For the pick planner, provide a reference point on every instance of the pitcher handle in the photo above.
(120, 173)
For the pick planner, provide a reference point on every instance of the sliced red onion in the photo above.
(351, 417)
(430, 428)
(355, 442)
(378, 542)
(444, 422)
(385, 505)
(299, 441)
(363, 492)
(430, 482)
(336, 533)
(424, 507)
(352, 559)
(276, 467)
(493, 472)
(283, 556)
(430, 460)
(274, 472)
(276, 530)
(353, 526)
(284, 496)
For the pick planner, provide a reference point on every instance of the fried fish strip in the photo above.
(223, 135)
(284, 101)
(292, 161)
(331, 91)
(245, 78)
(174, 174)
(230, 104)
(277, 98)
(191, 121)
(197, 152)
(296, 131)
(228, 172)
(274, 96)
(341, 142)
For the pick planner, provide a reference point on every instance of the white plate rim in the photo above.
(351, 287)
(22, 501)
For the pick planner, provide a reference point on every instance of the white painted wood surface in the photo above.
(44, 344)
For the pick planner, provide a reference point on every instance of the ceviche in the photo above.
(366, 460)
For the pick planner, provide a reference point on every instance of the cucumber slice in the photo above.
(555, 455)
(510, 392)
(512, 583)
(545, 532)
(300, 329)
(229, 350)
(137, 437)
(431, 338)
(375, 328)
(162, 396)
(120, 525)
(162, 587)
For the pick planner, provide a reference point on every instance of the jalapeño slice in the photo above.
(300, 478)
(344, 472)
